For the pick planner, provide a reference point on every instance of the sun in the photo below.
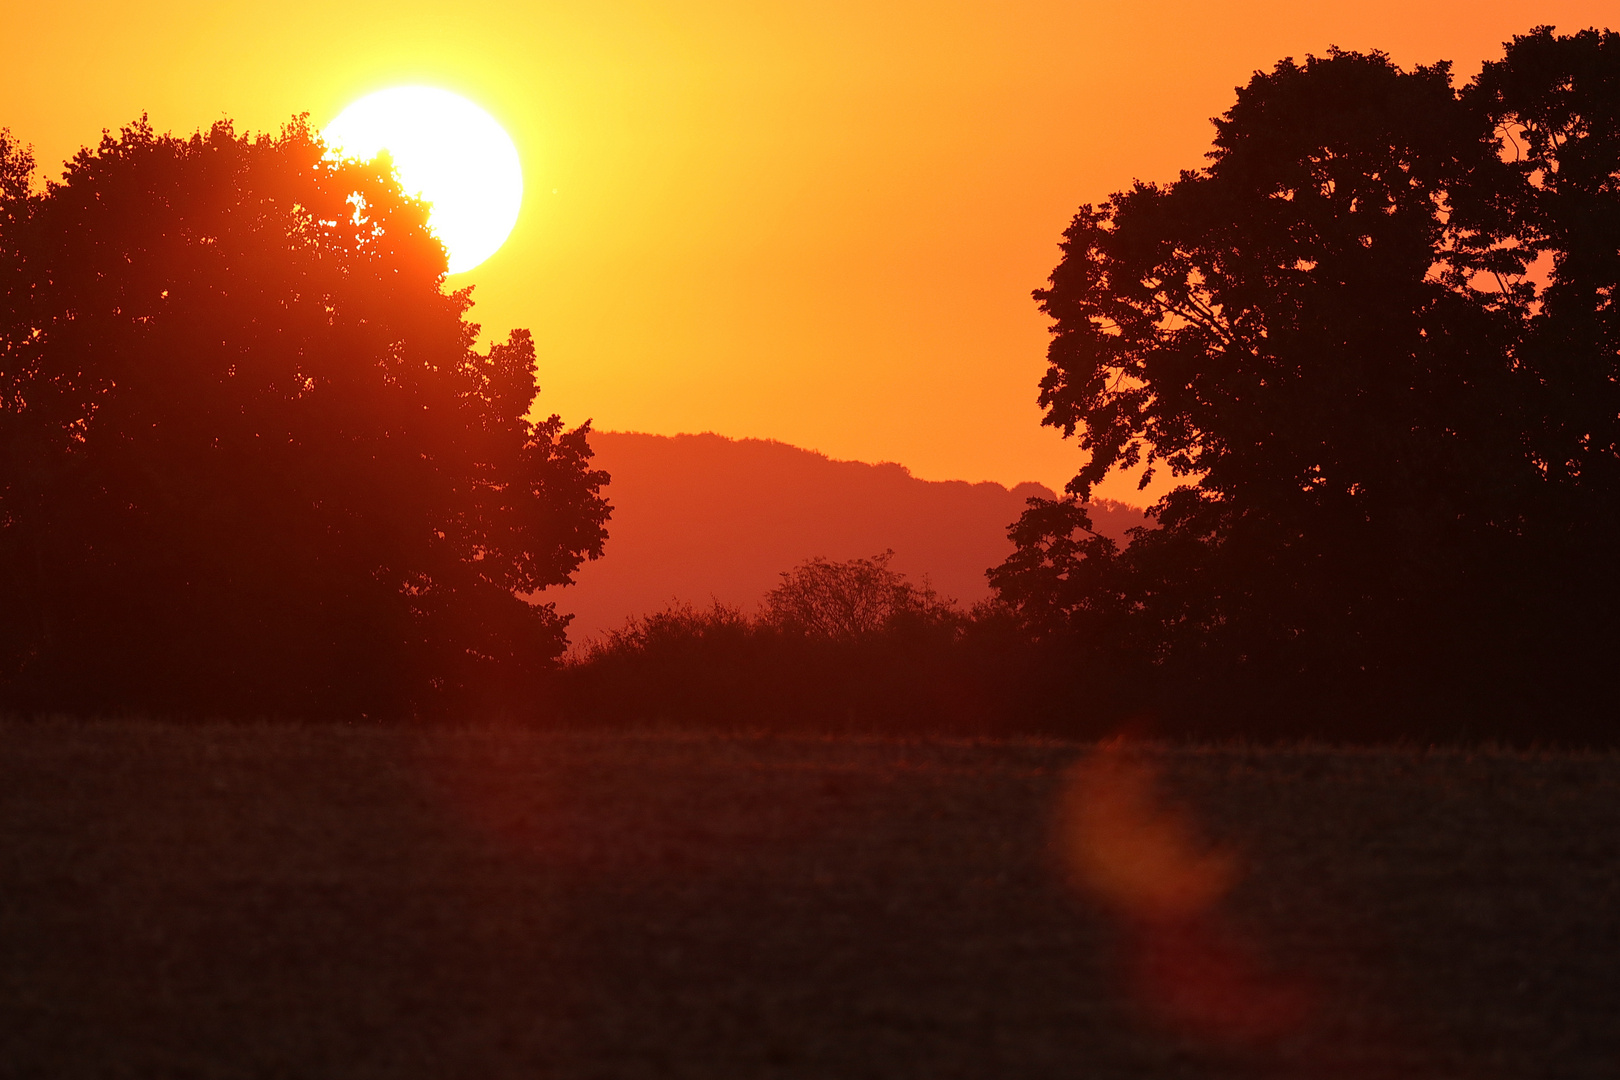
(448, 152)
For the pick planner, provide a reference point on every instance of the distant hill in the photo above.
(701, 517)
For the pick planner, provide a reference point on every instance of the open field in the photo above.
(239, 901)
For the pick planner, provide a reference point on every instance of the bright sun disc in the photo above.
(448, 152)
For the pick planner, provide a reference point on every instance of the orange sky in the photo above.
(815, 222)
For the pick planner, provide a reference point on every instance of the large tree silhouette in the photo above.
(250, 458)
(1376, 338)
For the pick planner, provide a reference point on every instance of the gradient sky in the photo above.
(814, 222)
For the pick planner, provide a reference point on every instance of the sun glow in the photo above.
(448, 152)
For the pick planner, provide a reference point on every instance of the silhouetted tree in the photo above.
(1398, 452)
(850, 600)
(1554, 103)
(250, 458)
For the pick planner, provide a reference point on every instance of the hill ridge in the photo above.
(700, 516)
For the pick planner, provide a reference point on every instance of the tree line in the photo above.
(253, 461)
(848, 646)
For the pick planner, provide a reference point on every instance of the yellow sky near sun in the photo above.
(812, 222)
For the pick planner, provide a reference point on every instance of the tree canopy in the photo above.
(251, 457)
(851, 600)
(1376, 340)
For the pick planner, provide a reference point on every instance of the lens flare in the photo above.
(1139, 857)
(1132, 852)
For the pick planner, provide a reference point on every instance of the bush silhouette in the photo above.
(851, 600)
(250, 458)
(907, 663)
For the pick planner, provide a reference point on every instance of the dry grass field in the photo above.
(257, 901)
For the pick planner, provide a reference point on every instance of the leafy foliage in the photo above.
(850, 600)
(1376, 339)
(250, 458)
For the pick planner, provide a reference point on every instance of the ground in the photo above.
(307, 901)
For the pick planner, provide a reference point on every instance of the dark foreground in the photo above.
(314, 902)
